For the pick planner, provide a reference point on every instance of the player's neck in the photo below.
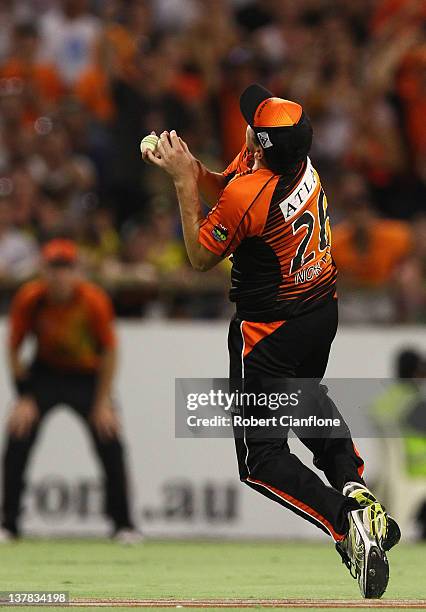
(259, 165)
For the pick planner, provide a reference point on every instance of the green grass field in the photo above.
(195, 569)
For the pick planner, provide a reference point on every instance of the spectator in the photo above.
(16, 137)
(98, 239)
(69, 34)
(56, 167)
(411, 282)
(369, 252)
(367, 249)
(412, 93)
(18, 252)
(176, 14)
(50, 218)
(135, 280)
(41, 82)
(25, 197)
(126, 31)
(165, 250)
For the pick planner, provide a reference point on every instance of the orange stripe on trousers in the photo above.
(304, 507)
(361, 467)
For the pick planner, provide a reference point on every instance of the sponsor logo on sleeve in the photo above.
(220, 233)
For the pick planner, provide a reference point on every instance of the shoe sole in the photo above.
(376, 574)
(375, 578)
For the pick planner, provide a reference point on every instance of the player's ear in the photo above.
(259, 153)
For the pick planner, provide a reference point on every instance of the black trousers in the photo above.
(50, 388)
(283, 351)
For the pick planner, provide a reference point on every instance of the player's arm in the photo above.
(25, 412)
(19, 327)
(16, 366)
(211, 184)
(106, 373)
(191, 214)
(103, 414)
(176, 161)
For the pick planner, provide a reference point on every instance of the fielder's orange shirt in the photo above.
(69, 335)
(278, 233)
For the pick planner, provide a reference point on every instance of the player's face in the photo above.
(61, 280)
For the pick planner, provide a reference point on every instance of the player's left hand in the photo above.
(105, 420)
(172, 157)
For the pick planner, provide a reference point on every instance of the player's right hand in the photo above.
(22, 418)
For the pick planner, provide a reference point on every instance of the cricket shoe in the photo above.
(6, 536)
(383, 526)
(363, 556)
(128, 536)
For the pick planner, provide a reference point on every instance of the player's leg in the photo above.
(17, 453)
(79, 393)
(15, 460)
(266, 464)
(334, 453)
(371, 530)
(111, 456)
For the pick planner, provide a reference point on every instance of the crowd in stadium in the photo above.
(81, 82)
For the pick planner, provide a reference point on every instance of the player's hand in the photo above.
(194, 160)
(23, 417)
(173, 158)
(105, 420)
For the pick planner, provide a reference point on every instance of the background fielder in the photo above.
(71, 321)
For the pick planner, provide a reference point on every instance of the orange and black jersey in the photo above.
(69, 335)
(242, 162)
(278, 233)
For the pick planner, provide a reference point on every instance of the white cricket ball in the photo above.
(149, 142)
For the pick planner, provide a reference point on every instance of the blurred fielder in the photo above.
(71, 321)
(270, 213)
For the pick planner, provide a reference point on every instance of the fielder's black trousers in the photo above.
(50, 388)
(283, 351)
